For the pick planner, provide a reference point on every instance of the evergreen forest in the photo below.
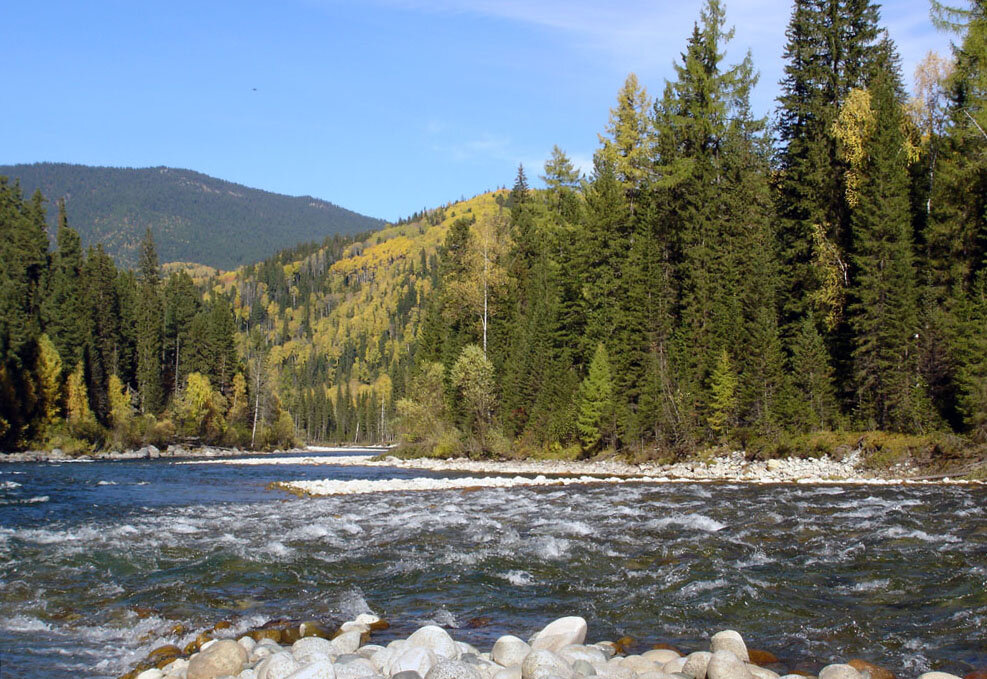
(717, 279)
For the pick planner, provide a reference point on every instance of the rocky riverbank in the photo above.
(143, 453)
(734, 467)
(559, 651)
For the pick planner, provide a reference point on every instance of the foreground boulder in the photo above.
(220, 659)
(560, 633)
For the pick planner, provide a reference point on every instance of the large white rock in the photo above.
(153, 673)
(247, 643)
(591, 654)
(938, 675)
(382, 659)
(277, 666)
(761, 673)
(729, 640)
(677, 665)
(560, 633)
(695, 664)
(660, 656)
(320, 669)
(614, 670)
(311, 649)
(509, 673)
(583, 668)
(453, 669)
(435, 639)
(725, 664)
(638, 663)
(223, 658)
(247, 674)
(542, 664)
(509, 650)
(347, 642)
(839, 671)
(414, 658)
(354, 667)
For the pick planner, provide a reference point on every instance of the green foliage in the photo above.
(196, 218)
(596, 422)
(723, 395)
(472, 377)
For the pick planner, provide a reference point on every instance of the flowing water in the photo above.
(99, 561)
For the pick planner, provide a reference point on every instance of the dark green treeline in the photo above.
(92, 356)
(719, 279)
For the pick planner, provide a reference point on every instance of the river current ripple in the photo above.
(99, 561)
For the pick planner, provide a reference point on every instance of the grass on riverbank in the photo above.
(879, 452)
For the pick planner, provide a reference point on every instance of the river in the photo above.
(99, 561)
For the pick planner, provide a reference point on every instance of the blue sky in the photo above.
(382, 106)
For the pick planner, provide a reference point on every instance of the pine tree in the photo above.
(627, 146)
(149, 327)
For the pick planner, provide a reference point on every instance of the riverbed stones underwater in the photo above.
(558, 651)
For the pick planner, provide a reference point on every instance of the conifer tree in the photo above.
(884, 295)
(596, 421)
(723, 396)
(64, 311)
(149, 316)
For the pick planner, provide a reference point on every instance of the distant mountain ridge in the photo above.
(194, 217)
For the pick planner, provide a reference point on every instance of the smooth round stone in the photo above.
(176, 666)
(542, 663)
(320, 669)
(369, 619)
(928, 675)
(583, 668)
(560, 633)
(875, 671)
(761, 673)
(353, 667)
(638, 663)
(730, 640)
(841, 671)
(223, 658)
(354, 627)
(724, 664)
(590, 654)
(247, 643)
(277, 666)
(369, 651)
(347, 642)
(153, 673)
(310, 649)
(437, 640)
(660, 656)
(247, 674)
(260, 652)
(465, 648)
(414, 658)
(608, 647)
(453, 669)
(407, 674)
(675, 666)
(653, 675)
(513, 672)
(383, 658)
(614, 670)
(695, 664)
(509, 650)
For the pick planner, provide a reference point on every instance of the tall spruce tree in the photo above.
(831, 49)
(884, 294)
(149, 328)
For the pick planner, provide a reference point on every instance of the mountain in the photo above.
(194, 217)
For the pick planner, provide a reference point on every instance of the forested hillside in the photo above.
(714, 281)
(194, 217)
